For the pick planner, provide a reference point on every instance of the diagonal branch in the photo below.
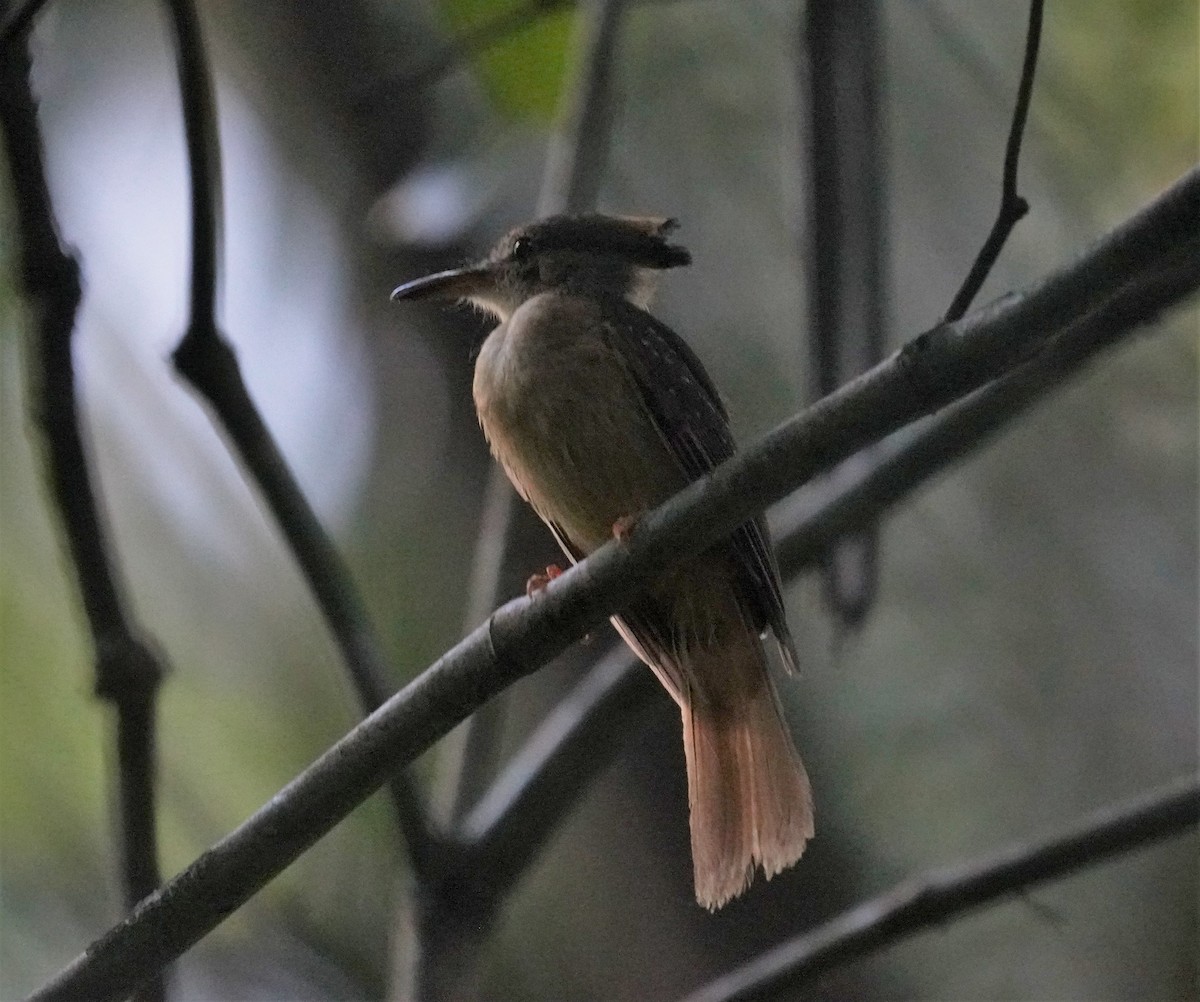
(127, 670)
(935, 897)
(206, 360)
(533, 793)
(1012, 206)
(931, 371)
(507, 829)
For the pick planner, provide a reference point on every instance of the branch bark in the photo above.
(533, 793)
(940, 895)
(127, 669)
(16, 29)
(207, 362)
(932, 370)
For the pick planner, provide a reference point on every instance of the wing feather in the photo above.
(691, 419)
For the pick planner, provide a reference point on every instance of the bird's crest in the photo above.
(639, 240)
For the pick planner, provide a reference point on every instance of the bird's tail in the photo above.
(749, 794)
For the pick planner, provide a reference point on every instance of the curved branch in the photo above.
(933, 898)
(127, 671)
(208, 363)
(929, 372)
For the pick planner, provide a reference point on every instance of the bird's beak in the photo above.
(458, 283)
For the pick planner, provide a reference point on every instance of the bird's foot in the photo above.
(538, 582)
(624, 526)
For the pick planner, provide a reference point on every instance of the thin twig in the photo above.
(929, 372)
(529, 799)
(127, 671)
(847, 245)
(931, 899)
(1012, 206)
(205, 359)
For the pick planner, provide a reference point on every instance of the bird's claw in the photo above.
(624, 526)
(538, 582)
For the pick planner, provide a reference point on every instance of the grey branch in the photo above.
(16, 29)
(942, 894)
(929, 372)
(532, 794)
(507, 829)
(205, 359)
(127, 670)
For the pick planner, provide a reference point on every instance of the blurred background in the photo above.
(1032, 655)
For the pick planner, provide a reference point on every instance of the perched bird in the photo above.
(598, 412)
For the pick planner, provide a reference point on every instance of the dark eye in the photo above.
(522, 248)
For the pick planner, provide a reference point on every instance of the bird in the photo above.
(598, 412)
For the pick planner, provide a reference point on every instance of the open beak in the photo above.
(458, 283)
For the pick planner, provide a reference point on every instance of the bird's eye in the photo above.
(522, 248)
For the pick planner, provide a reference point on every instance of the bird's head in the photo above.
(585, 255)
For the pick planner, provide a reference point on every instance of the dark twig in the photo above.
(204, 164)
(847, 240)
(932, 370)
(529, 798)
(127, 671)
(931, 899)
(206, 360)
(1012, 206)
(18, 26)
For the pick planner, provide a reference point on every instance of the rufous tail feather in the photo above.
(749, 795)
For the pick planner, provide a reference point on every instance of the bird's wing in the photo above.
(689, 415)
(564, 541)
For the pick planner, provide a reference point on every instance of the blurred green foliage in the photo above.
(525, 71)
(1122, 80)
